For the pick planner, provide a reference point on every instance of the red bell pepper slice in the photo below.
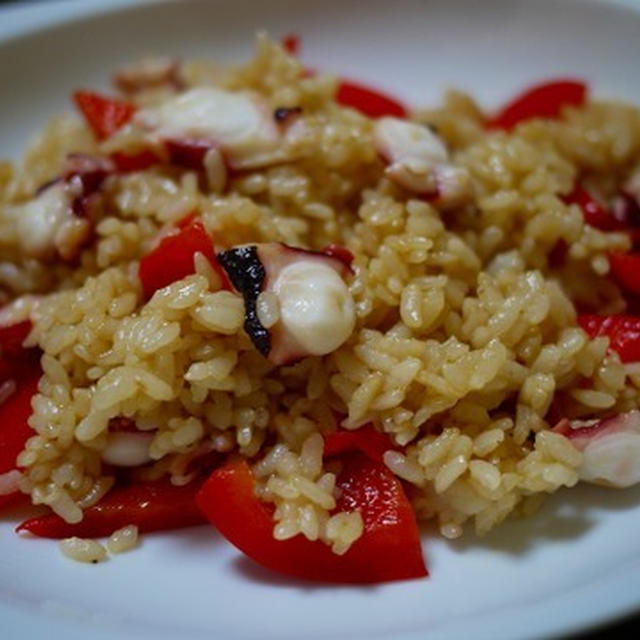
(172, 259)
(188, 153)
(593, 212)
(12, 336)
(14, 413)
(291, 44)
(622, 330)
(104, 115)
(365, 439)
(389, 548)
(544, 100)
(625, 270)
(152, 506)
(370, 102)
(128, 162)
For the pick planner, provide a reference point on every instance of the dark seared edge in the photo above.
(247, 275)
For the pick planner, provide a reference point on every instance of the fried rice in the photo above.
(465, 348)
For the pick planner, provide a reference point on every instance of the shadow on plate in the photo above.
(565, 515)
(203, 537)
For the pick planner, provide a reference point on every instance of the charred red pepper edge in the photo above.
(104, 115)
(544, 100)
(622, 330)
(153, 506)
(389, 548)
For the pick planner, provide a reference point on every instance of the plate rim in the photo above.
(24, 21)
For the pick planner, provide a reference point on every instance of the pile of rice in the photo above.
(465, 333)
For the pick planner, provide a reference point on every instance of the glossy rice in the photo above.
(466, 332)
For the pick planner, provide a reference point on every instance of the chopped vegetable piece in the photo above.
(544, 100)
(172, 259)
(625, 270)
(365, 439)
(153, 506)
(15, 410)
(593, 212)
(623, 332)
(371, 102)
(128, 162)
(104, 115)
(14, 500)
(389, 548)
(12, 336)
(188, 153)
(291, 44)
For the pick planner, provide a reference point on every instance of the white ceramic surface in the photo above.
(574, 565)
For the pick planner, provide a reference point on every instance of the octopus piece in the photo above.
(238, 124)
(149, 73)
(127, 446)
(297, 302)
(419, 161)
(127, 449)
(46, 225)
(55, 221)
(610, 448)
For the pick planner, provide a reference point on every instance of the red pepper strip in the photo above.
(365, 439)
(622, 330)
(172, 259)
(540, 101)
(153, 506)
(14, 413)
(185, 222)
(389, 548)
(128, 162)
(104, 115)
(188, 153)
(14, 500)
(371, 102)
(291, 44)
(12, 337)
(625, 270)
(593, 212)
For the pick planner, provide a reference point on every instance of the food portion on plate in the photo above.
(287, 305)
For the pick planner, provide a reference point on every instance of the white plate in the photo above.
(574, 565)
